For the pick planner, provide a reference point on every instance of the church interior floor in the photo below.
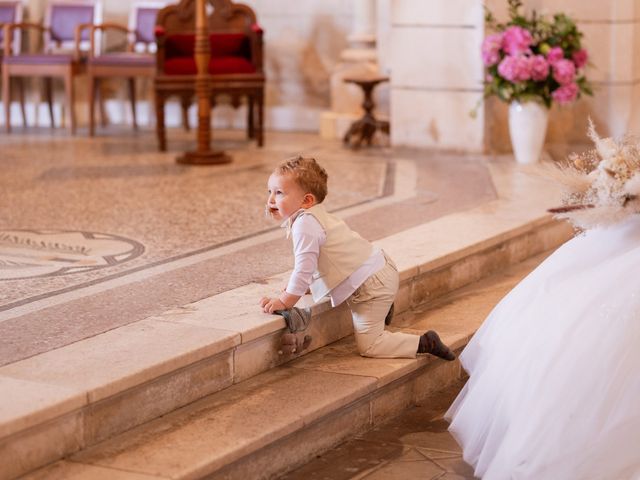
(96, 233)
(415, 444)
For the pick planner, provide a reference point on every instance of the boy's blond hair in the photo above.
(308, 174)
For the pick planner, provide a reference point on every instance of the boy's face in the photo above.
(286, 197)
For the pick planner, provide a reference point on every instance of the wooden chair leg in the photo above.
(185, 101)
(160, 131)
(251, 133)
(21, 81)
(101, 107)
(132, 98)
(6, 99)
(48, 93)
(93, 83)
(260, 100)
(70, 94)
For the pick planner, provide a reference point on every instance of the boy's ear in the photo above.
(309, 200)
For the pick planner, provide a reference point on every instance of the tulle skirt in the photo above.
(554, 371)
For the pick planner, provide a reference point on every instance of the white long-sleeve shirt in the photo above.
(308, 237)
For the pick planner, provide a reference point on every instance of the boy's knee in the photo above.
(365, 347)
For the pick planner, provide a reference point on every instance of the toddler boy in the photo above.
(331, 259)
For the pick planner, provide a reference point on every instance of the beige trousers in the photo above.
(369, 306)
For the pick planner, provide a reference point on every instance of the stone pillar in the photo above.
(436, 74)
(359, 58)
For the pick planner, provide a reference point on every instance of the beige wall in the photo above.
(611, 34)
(436, 73)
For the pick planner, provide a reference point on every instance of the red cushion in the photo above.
(217, 66)
(221, 65)
(229, 45)
(222, 45)
(179, 45)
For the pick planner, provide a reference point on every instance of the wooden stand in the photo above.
(203, 155)
(362, 130)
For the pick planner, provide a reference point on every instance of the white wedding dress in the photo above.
(554, 387)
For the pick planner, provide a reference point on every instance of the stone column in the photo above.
(359, 58)
(436, 74)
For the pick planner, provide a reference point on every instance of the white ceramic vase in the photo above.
(527, 128)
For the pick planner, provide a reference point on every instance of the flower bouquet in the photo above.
(601, 186)
(534, 58)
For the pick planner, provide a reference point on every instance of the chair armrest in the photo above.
(161, 36)
(78, 39)
(108, 26)
(257, 29)
(10, 27)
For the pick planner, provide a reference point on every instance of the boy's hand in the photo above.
(269, 305)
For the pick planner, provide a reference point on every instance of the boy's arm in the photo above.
(308, 235)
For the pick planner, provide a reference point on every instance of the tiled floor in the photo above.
(415, 445)
(98, 233)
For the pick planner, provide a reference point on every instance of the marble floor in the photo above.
(414, 445)
(98, 233)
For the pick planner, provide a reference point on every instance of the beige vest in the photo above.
(343, 252)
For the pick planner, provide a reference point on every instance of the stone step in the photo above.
(282, 418)
(71, 398)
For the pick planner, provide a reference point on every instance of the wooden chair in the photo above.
(11, 12)
(235, 65)
(137, 59)
(64, 40)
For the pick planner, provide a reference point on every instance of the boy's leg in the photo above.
(369, 306)
(371, 337)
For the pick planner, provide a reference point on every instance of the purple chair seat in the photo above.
(40, 59)
(125, 59)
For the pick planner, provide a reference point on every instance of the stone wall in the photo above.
(611, 35)
(436, 73)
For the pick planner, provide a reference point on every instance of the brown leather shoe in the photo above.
(430, 343)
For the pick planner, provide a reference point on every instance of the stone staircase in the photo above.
(201, 392)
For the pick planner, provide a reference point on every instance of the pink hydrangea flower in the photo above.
(555, 54)
(516, 40)
(515, 68)
(491, 49)
(580, 58)
(564, 71)
(539, 68)
(565, 93)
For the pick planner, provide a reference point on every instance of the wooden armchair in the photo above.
(137, 59)
(62, 30)
(235, 65)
